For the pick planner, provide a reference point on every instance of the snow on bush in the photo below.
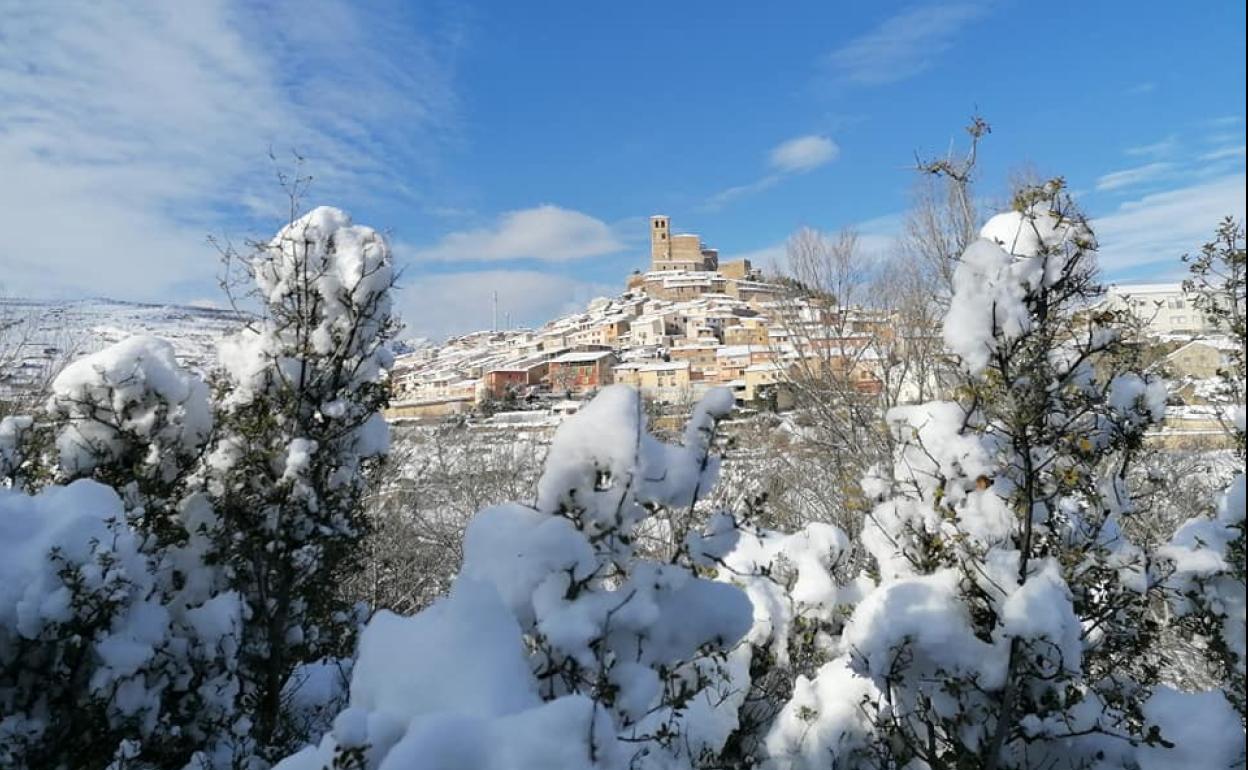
(188, 614)
(559, 645)
(79, 624)
(14, 430)
(1010, 621)
(300, 430)
(1208, 586)
(1018, 253)
(130, 403)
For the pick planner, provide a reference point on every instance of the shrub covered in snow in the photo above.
(15, 433)
(1010, 624)
(299, 427)
(170, 602)
(559, 645)
(1208, 584)
(132, 417)
(99, 660)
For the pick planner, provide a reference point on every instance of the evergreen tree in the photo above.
(1010, 624)
(300, 430)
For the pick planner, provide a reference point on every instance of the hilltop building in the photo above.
(687, 324)
(678, 252)
(1165, 309)
(685, 252)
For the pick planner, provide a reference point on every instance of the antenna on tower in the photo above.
(495, 322)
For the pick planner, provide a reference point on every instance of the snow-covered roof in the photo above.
(1217, 343)
(583, 356)
(740, 350)
(663, 366)
(1146, 288)
(766, 366)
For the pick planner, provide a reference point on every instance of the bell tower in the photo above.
(660, 241)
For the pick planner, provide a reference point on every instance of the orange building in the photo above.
(581, 371)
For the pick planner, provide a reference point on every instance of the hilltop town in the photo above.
(688, 323)
(691, 322)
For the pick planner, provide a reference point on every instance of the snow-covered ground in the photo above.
(34, 333)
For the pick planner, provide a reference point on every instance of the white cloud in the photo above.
(546, 232)
(1149, 235)
(803, 153)
(1141, 88)
(1224, 153)
(1156, 149)
(736, 192)
(1130, 177)
(793, 156)
(439, 305)
(903, 45)
(132, 129)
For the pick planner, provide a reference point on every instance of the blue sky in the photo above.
(518, 148)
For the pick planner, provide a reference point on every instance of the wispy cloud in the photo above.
(1156, 149)
(793, 156)
(903, 45)
(132, 129)
(1141, 88)
(1224, 153)
(1146, 236)
(1131, 177)
(547, 233)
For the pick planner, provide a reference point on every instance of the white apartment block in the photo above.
(1164, 308)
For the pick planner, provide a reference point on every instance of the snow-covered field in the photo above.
(46, 328)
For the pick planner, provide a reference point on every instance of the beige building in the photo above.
(678, 252)
(667, 382)
(701, 358)
(607, 333)
(767, 377)
(747, 332)
(731, 361)
(1201, 359)
(739, 269)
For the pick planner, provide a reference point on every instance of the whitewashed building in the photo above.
(1164, 308)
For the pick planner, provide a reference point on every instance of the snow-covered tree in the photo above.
(1219, 280)
(131, 417)
(559, 645)
(299, 429)
(1010, 624)
(170, 560)
(1208, 551)
(123, 645)
(15, 440)
(435, 478)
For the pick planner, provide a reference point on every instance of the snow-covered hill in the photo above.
(38, 336)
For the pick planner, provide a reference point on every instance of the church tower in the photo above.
(660, 241)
